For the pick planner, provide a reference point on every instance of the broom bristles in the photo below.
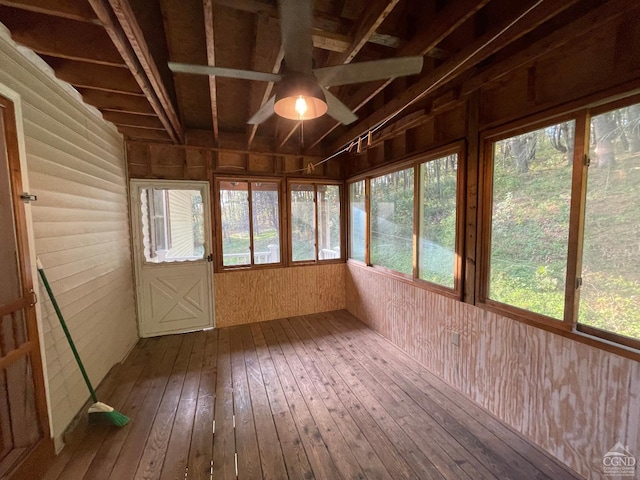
(102, 413)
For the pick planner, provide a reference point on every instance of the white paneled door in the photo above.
(172, 251)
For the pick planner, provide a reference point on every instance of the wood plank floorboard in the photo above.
(320, 396)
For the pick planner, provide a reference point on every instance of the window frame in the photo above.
(569, 325)
(343, 234)
(415, 161)
(219, 256)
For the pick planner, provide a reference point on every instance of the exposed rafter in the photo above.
(451, 16)
(211, 60)
(509, 30)
(125, 33)
(70, 9)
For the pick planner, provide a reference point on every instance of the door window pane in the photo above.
(357, 221)
(172, 225)
(530, 219)
(328, 222)
(610, 292)
(234, 211)
(266, 222)
(392, 221)
(303, 222)
(437, 231)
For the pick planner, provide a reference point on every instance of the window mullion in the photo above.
(367, 221)
(315, 214)
(250, 204)
(417, 216)
(576, 218)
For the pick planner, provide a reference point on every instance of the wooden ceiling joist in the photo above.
(70, 9)
(117, 102)
(511, 29)
(267, 57)
(211, 60)
(60, 37)
(122, 27)
(98, 77)
(133, 120)
(451, 16)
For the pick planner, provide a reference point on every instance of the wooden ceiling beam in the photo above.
(60, 37)
(211, 60)
(98, 77)
(135, 133)
(449, 18)
(69, 9)
(528, 18)
(133, 120)
(375, 14)
(117, 102)
(267, 57)
(121, 25)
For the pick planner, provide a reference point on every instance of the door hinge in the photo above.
(34, 298)
(587, 161)
(210, 257)
(27, 197)
(578, 282)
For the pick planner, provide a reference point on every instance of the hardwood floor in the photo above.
(320, 396)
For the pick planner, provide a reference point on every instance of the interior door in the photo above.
(172, 236)
(25, 441)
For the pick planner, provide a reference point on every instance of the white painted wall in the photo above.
(76, 167)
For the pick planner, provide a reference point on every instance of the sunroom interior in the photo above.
(438, 278)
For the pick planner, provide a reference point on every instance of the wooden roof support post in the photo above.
(127, 37)
(211, 61)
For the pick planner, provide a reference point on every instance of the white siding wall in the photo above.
(75, 164)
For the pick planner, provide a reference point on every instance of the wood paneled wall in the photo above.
(257, 295)
(76, 167)
(574, 400)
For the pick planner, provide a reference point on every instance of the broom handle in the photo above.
(66, 331)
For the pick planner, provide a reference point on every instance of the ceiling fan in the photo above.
(300, 90)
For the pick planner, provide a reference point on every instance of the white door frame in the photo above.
(138, 248)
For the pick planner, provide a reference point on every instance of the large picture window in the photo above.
(250, 222)
(315, 222)
(610, 292)
(530, 206)
(562, 225)
(438, 219)
(392, 221)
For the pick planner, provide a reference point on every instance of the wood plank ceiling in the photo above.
(115, 52)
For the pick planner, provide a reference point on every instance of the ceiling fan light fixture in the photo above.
(300, 98)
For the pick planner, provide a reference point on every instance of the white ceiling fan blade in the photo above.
(223, 72)
(339, 110)
(368, 71)
(295, 28)
(264, 113)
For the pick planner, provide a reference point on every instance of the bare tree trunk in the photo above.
(634, 131)
(523, 148)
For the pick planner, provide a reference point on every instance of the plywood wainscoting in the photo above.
(574, 400)
(249, 296)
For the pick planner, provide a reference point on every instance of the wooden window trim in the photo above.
(248, 179)
(414, 161)
(343, 235)
(568, 327)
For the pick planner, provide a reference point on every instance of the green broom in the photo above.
(98, 412)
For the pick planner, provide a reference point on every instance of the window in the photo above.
(392, 221)
(172, 224)
(561, 241)
(610, 292)
(315, 222)
(438, 219)
(530, 206)
(357, 221)
(250, 221)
